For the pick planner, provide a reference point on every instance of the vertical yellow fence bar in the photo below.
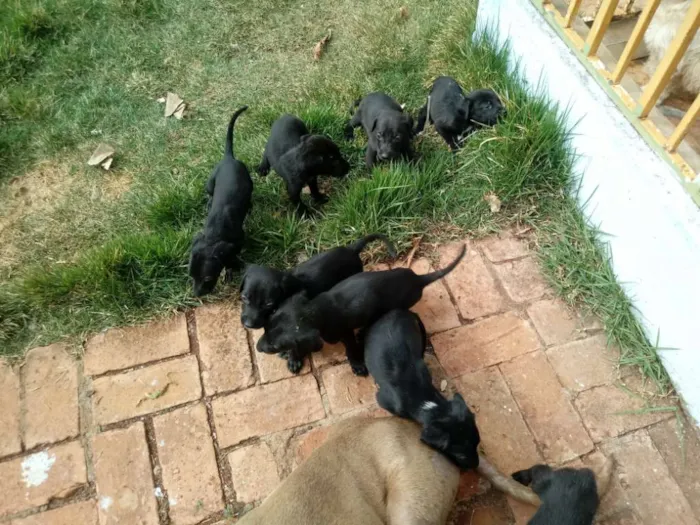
(635, 39)
(674, 54)
(600, 26)
(572, 12)
(683, 126)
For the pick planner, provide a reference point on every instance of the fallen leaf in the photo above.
(107, 164)
(443, 385)
(155, 394)
(161, 100)
(320, 46)
(101, 154)
(403, 12)
(494, 202)
(180, 111)
(172, 102)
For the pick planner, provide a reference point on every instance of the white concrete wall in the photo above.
(652, 225)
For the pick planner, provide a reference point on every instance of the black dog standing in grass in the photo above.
(389, 130)
(217, 247)
(264, 289)
(456, 115)
(299, 158)
(300, 325)
(394, 349)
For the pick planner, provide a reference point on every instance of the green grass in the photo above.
(106, 248)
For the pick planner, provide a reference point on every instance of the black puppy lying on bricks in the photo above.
(389, 130)
(300, 325)
(264, 289)
(230, 189)
(299, 158)
(394, 348)
(456, 115)
(569, 496)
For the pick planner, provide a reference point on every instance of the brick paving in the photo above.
(182, 422)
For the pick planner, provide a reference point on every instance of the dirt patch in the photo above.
(36, 192)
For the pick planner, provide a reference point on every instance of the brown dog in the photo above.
(377, 472)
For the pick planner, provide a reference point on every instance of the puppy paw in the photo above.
(359, 369)
(295, 365)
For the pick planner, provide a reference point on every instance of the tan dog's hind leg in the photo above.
(423, 492)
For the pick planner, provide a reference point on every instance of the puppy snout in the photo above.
(248, 323)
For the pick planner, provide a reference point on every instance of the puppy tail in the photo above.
(354, 106)
(229, 132)
(434, 276)
(360, 244)
(507, 484)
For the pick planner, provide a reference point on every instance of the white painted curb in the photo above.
(651, 224)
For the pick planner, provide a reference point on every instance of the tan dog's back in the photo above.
(369, 471)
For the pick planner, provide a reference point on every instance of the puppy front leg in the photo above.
(370, 157)
(294, 192)
(315, 192)
(355, 354)
(294, 362)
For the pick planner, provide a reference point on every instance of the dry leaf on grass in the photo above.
(403, 12)
(320, 46)
(494, 202)
(174, 106)
(102, 156)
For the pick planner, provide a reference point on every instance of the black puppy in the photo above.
(300, 325)
(299, 158)
(264, 289)
(569, 496)
(394, 348)
(389, 130)
(217, 247)
(456, 115)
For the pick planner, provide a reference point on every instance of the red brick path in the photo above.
(182, 422)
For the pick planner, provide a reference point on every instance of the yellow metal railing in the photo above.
(640, 109)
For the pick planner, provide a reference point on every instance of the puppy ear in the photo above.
(409, 121)
(240, 289)
(435, 437)
(524, 477)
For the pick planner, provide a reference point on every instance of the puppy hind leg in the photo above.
(354, 122)
(264, 167)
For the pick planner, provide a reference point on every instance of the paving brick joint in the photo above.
(181, 422)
